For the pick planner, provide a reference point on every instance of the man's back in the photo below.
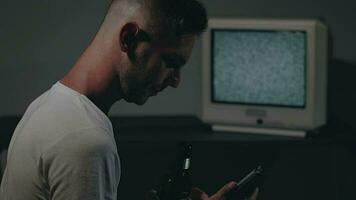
(63, 148)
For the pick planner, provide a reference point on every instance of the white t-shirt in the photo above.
(62, 149)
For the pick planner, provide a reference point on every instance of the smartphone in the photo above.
(247, 185)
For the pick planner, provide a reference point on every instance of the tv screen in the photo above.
(259, 67)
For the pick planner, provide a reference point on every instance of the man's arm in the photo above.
(82, 165)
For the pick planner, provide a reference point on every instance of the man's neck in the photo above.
(94, 77)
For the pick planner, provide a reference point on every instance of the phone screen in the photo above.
(247, 185)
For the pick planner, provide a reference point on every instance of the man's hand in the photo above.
(198, 194)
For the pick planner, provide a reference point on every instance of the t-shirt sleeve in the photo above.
(82, 165)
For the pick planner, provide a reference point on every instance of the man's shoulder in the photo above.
(59, 119)
(56, 113)
(63, 110)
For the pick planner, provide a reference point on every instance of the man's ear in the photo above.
(128, 37)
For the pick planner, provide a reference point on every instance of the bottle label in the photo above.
(186, 163)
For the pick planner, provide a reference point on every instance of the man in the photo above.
(63, 148)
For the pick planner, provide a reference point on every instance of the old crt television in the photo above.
(265, 76)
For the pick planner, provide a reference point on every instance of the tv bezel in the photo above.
(264, 116)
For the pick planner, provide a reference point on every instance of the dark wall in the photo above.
(41, 39)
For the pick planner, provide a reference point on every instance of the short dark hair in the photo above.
(179, 16)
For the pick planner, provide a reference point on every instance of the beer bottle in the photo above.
(182, 185)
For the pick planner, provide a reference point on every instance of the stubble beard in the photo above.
(135, 80)
(133, 88)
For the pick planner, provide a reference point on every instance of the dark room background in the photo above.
(41, 39)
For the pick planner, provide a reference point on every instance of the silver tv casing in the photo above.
(313, 115)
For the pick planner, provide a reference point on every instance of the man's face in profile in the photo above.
(158, 65)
